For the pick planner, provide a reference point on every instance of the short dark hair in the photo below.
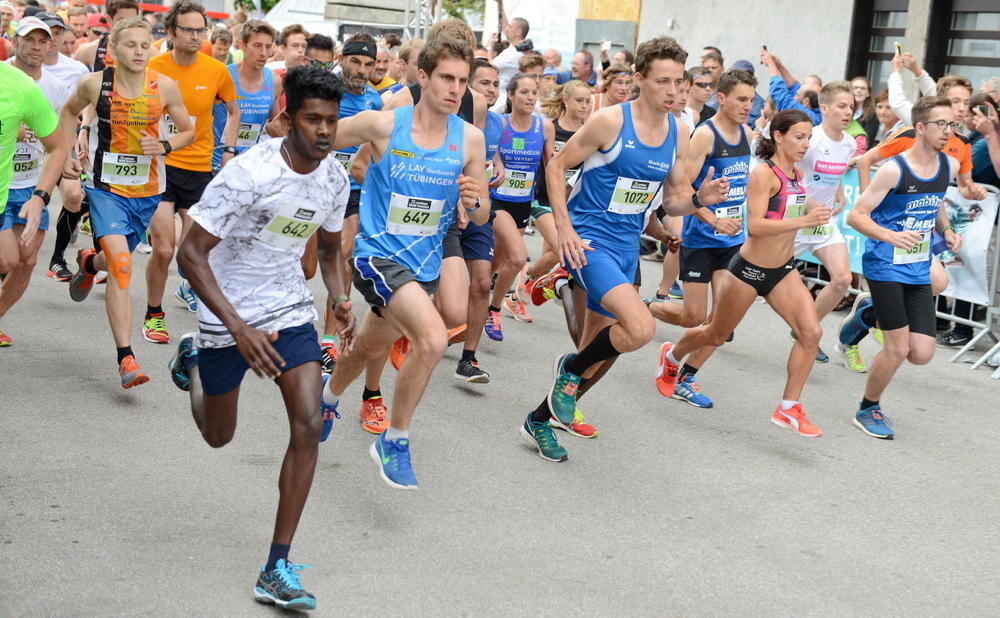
(714, 56)
(183, 7)
(289, 31)
(922, 108)
(660, 48)
(391, 39)
(687, 78)
(589, 56)
(733, 78)
(221, 34)
(113, 6)
(309, 82)
(713, 48)
(811, 99)
(321, 42)
(522, 25)
(442, 47)
(482, 63)
(360, 37)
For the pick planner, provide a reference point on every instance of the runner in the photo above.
(426, 172)
(98, 54)
(616, 86)
(129, 175)
(778, 207)
(27, 175)
(408, 53)
(202, 80)
(897, 212)
(379, 79)
(599, 228)
(711, 238)
(242, 255)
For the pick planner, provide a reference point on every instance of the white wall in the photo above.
(809, 37)
(552, 23)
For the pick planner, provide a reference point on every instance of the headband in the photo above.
(360, 48)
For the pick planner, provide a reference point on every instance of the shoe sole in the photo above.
(484, 379)
(661, 370)
(840, 350)
(492, 338)
(147, 338)
(184, 301)
(381, 471)
(691, 403)
(853, 311)
(81, 293)
(263, 597)
(557, 425)
(375, 431)
(555, 376)
(531, 440)
(136, 381)
(4, 344)
(874, 435)
(53, 276)
(796, 431)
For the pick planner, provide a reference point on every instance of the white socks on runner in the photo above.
(670, 357)
(328, 397)
(391, 433)
(787, 404)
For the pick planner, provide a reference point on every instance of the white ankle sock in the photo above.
(328, 397)
(787, 404)
(391, 433)
(670, 357)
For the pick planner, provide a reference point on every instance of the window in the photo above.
(974, 40)
(878, 26)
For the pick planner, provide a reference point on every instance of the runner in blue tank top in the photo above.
(712, 236)
(600, 226)
(897, 212)
(427, 170)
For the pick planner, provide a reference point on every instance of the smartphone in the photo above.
(606, 46)
(763, 46)
(899, 49)
(984, 110)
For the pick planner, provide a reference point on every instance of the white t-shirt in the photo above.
(66, 70)
(29, 154)
(264, 213)
(825, 163)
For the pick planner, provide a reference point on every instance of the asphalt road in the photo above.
(113, 505)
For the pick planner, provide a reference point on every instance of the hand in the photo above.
(853, 162)
(150, 145)
(468, 191)
(905, 239)
(83, 147)
(498, 172)
(572, 250)
(972, 191)
(342, 312)
(256, 349)
(769, 60)
(954, 241)
(729, 227)
(839, 201)
(986, 125)
(32, 211)
(817, 216)
(897, 63)
(909, 62)
(72, 169)
(760, 123)
(226, 158)
(713, 191)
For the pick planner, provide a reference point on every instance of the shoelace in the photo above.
(156, 324)
(401, 454)
(494, 320)
(543, 435)
(853, 355)
(328, 410)
(288, 576)
(564, 382)
(376, 408)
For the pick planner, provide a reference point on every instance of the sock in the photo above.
(787, 404)
(123, 352)
(661, 296)
(328, 340)
(687, 369)
(151, 311)
(560, 284)
(868, 403)
(393, 434)
(88, 265)
(469, 355)
(597, 350)
(278, 552)
(65, 225)
(328, 397)
(671, 358)
(541, 414)
(369, 394)
(492, 308)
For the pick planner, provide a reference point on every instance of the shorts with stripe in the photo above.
(378, 279)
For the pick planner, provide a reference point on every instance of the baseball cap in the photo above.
(98, 20)
(550, 71)
(742, 65)
(51, 19)
(28, 24)
(31, 11)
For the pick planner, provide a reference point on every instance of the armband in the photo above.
(343, 298)
(694, 200)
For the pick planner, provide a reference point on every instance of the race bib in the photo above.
(822, 230)
(516, 183)
(489, 172)
(26, 162)
(249, 134)
(290, 227)
(172, 128)
(728, 212)
(921, 252)
(632, 196)
(413, 216)
(795, 205)
(345, 159)
(125, 169)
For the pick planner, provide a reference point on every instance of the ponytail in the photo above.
(781, 123)
(555, 106)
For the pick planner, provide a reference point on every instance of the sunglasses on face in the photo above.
(703, 84)
(322, 65)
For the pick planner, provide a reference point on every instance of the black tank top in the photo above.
(562, 136)
(101, 53)
(466, 109)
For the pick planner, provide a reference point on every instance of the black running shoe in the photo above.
(60, 272)
(280, 586)
(952, 339)
(469, 371)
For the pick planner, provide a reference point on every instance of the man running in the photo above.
(27, 177)
(897, 212)
(97, 54)
(128, 170)
(242, 255)
(600, 225)
(202, 80)
(427, 170)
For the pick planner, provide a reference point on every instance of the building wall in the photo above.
(809, 37)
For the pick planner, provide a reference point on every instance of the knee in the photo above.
(430, 347)
(897, 353)
(639, 332)
(690, 320)
(479, 287)
(120, 268)
(163, 249)
(306, 428)
(217, 438)
(841, 281)
(809, 334)
(921, 355)
(28, 261)
(714, 337)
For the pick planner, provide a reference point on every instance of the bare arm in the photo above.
(359, 167)
(678, 194)
(367, 126)
(760, 187)
(470, 184)
(332, 268)
(865, 163)
(173, 103)
(231, 131)
(860, 217)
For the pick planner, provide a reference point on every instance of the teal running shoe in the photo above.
(562, 396)
(281, 586)
(178, 372)
(540, 436)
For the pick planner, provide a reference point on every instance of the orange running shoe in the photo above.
(373, 414)
(523, 283)
(457, 334)
(578, 427)
(329, 359)
(398, 352)
(795, 419)
(666, 373)
(515, 307)
(5, 340)
(544, 287)
(130, 372)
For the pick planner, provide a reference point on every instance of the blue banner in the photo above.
(855, 241)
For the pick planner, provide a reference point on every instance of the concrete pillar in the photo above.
(918, 23)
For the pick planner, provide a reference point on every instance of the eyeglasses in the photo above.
(945, 125)
(97, 32)
(192, 31)
(318, 64)
(703, 84)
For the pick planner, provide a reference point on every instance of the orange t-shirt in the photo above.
(201, 84)
(958, 146)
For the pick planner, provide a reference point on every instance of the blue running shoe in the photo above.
(493, 327)
(329, 412)
(187, 296)
(393, 459)
(676, 292)
(874, 423)
(853, 326)
(562, 396)
(688, 390)
(178, 372)
(281, 586)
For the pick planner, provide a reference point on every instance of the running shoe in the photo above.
(59, 272)
(676, 292)
(952, 339)
(85, 227)
(544, 288)
(154, 329)
(328, 410)
(853, 326)
(398, 352)
(666, 372)
(470, 371)
(187, 296)
(874, 423)
(393, 460)
(852, 358)
(5, 340)
(281, 586)
(878, 336)
(689, 391)
(130, 373)
(178, 372)
(457, 334)
(541, 437)
(562, 395)
(795, 419)
(82, 282)
(515, 307)
(144, 248)
(578, 427)
(523, 283)
(101, 277)
(493, 327)
(329, 357)
(373, 415)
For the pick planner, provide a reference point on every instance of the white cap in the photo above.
(28, 24)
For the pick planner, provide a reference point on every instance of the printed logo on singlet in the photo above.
(401, 153)
(630, 144)
(517, 143)
(740, 167)
(926, 201)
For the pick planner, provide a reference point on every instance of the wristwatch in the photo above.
(44, 195)
(167, 148)
(230, 150)
(694, 200)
